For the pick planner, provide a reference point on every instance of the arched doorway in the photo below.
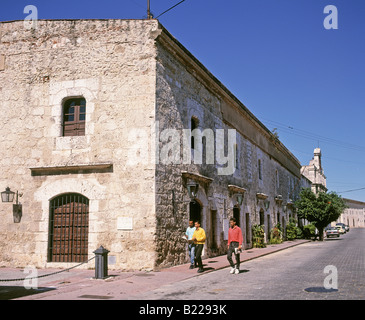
(262, 217)
(68, 228)
(195, 210)
(236, 215)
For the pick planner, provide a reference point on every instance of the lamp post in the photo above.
(8, 196)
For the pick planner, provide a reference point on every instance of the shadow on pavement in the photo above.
(320, 290)
(13, 292)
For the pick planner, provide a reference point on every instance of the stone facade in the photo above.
(354, 214)
(139, 83)
(111, 64)
(314, 172)
(187, 92)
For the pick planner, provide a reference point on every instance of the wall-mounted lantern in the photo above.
(193, 188)
(8, 196)
(267, 204)
(239, 198)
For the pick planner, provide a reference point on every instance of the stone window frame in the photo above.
(59, 92)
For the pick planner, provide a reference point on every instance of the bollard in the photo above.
(101, 263)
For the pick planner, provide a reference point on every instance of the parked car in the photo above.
(332, 232)
(340, 229)
(344, 226)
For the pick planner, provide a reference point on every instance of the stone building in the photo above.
(314, 172)
(354, 214)
(106, 125)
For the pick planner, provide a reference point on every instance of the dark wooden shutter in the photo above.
(69, 228)
(74, 117)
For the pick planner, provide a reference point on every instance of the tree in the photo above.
(320, 209)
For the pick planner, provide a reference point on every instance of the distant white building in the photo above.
(354, 214)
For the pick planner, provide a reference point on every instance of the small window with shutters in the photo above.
(74, 116)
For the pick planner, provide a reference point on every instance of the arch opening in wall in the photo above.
(194, 124)
(237, 215)
(68, 228)
(262, 217)
(195, 211)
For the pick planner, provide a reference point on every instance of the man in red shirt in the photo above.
(234, 242)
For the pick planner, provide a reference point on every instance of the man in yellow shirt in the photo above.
(199, 240)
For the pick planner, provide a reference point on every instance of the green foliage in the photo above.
(309, 231)
(299, 233)
(258, 235)
(320, 209)
(276, 235)
(291, 229)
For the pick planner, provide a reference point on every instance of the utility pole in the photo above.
(148, 10)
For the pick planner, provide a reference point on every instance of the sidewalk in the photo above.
(80, 285)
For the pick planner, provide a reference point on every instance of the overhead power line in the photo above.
(314, 137)
(170, 9)
(352, 190)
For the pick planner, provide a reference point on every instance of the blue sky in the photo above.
(276, 57)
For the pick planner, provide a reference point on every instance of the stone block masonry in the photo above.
(110, 63)
(132, 74)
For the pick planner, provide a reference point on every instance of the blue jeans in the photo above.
(192, 253)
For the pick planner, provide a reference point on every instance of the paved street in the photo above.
(292, 270)
(282, 275)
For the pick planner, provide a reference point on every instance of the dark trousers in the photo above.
(231, 248)
(198, 255)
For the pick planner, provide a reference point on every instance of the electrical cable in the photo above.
(309, 135)
(170, 9)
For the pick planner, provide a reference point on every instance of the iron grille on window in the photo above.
(74, 115)
(69, 227)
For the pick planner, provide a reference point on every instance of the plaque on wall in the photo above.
(125, 223)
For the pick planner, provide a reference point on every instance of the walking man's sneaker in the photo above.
(200, 270)
(191, 266)
(232, 270)
(236, 271)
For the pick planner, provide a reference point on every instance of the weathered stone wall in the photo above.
(135, 87)
(111, 63)
(185, 89)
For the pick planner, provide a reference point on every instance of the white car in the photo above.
(340, 229)
(332, 232)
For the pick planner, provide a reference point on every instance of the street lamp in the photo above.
(8, 196)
